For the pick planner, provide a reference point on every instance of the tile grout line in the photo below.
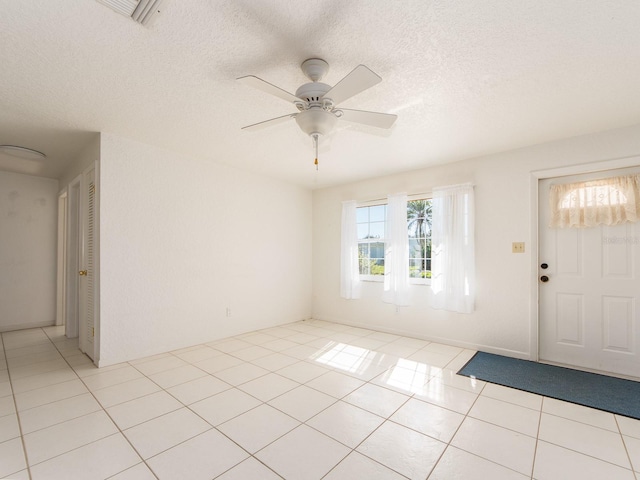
(15, 405)
(105, 412)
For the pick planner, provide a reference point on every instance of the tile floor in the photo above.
(307, 400)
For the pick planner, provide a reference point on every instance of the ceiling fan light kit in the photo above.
(316, 102)
(22, 152)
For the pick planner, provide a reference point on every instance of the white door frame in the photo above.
(534, 178)
(73, 235)
(61, 282)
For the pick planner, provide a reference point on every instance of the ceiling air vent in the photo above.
(139, 10)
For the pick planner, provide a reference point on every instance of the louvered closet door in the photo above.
(87, 274)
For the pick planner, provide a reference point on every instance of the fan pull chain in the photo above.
(315, 144)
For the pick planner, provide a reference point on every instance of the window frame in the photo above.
(373, 203)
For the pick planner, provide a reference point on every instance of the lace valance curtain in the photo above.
(608, 201)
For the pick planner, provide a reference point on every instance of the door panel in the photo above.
(87, 271)
(588, 307)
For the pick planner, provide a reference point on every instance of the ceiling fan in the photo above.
(317, 102)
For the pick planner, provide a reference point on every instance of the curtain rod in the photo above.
(384, 199)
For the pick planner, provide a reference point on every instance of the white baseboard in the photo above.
(25, 326)
(447, 341)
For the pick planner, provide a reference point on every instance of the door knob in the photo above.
(82, 273)
(544, 279)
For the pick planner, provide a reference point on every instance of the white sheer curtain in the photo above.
(396, 252)
(452, 251)
(607, 201)
(349, 268)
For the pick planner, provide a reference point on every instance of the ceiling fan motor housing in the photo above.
(312, 92)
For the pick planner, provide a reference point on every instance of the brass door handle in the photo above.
(82, 273)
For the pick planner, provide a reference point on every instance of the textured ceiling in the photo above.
(465, 78)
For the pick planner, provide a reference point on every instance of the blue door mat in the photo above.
(611, 394)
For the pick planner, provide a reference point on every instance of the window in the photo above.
(371, 227)
(371, 222)
(419, 229)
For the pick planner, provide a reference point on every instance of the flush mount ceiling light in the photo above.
(139, 10)
(22, 152)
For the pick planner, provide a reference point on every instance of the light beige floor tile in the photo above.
(279, 344)
(579, 413)
(508, 448)
(9, 427)
(7, 405)
(160, 365)
(202, 457)
(137, 472)
(302, 372)
(507, 415)
(404, 450)
(151, 358)
(378, 400)
(432, 358)
(429, 419)
(357, 465)
(11, 457)
(451, 378)
(268, 386)
(111, 378)
(33, 382)
(30, 350)
(303, 453)
(251, 353)
(511, 395)
(346, 423)
(302, 402)
(47, 356)
(198, 389)
(335, 384)
(123, 392)
(140, 410)
(554, 462)
(406, 377)
(41, 396)
(5, 389)
(258, 338)
(64, 437)
(250, 468)
(245, 372)
(593, 441)
(57, 412)
(22, 475)
(97, 460)
(162, 433)
(628, 426)
(461, 360)
(456, 463)
(275, 361)
(198, 354)
(218, 363)
(230, 345)
(38, 368)
(224, 406)
(257, 428)
(176, 376)
(447, 397)
(633, 448)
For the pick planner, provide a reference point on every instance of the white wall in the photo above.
(184, 239)
(503, 320)
(28, 222)
(90, 154)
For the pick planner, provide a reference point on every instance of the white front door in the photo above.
(590, 301)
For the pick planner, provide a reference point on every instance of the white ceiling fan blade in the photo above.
(269, 123)
(373, 119)
(357, 81)
(260, 84)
